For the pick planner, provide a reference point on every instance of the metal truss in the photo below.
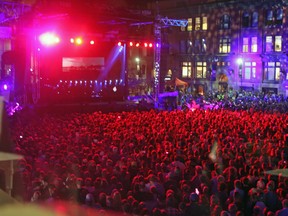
(173, 22)
(160, 22)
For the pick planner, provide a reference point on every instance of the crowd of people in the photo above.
(179, 162)
(238, 100)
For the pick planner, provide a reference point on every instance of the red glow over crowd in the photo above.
(155, 162)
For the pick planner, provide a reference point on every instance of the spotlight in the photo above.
(119, 43)
(78, 41)
(150, 45)
(131, 43)
(92, 42)
(5, 87)
(49, 39)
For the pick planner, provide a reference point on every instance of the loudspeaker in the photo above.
(6, 144)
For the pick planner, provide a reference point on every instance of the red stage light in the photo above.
(150, 45)
(92, 42)
(137, 44)
(72, 40)
(146, 44)
(119, 43)
(49, 39)
(131, 43)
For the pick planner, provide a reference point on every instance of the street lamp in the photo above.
(240, 64)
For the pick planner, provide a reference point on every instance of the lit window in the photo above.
(197, 23)
(186, 69)
(189, 26)
(245, 44)
(249, 70)
(247, 74)
(272, 71)
(224, 45)
(201, 70)
(269, 44)
(278, 43)
(254, 70)
(254, 45)
(204, 23)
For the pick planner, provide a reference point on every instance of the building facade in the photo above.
(227, 45)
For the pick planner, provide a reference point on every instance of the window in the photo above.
(245, 44)
(201, 70)
(249, 70)
(271, 71)
(269, 17)
(246, 20)
(186, 69)
(279, 16)
(254, 45)
(269, 44)
(276, 46)
(186, 46)
(274, 17)
(249, 44)
(225, 22)
(182, 46)
(224, 45)
(254, 22)
(197, 23)
(197, 47)
(278, 43)
(189, 46)
(204, 23)
(204, 46)
(189, 26)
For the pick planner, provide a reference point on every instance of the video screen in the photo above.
(82, 64)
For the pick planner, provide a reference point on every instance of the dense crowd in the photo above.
(205, 162)
(239, 100)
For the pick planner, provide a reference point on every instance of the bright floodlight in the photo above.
(239, 61)
(78, 41)
(49, 39)
(5, 87)
(150, 45)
